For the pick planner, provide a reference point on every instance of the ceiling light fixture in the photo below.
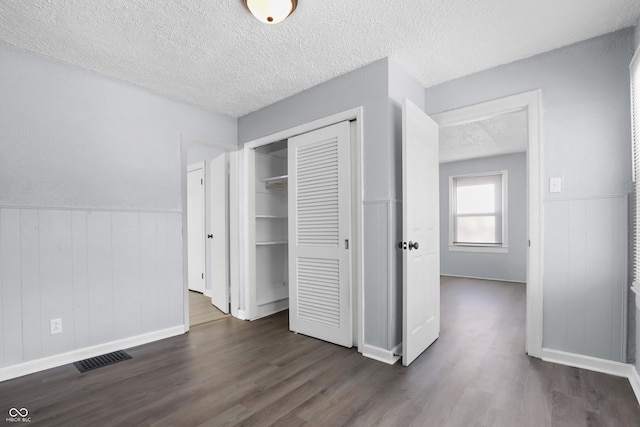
(271, 11)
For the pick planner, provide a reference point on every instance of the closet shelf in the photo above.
(276, 182)
(273, 242)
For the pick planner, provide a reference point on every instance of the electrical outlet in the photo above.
(56, 326)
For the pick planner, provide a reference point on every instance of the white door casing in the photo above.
(420, 231)
(320, 235)
(219, 237)
(196, 227)
(531, 103)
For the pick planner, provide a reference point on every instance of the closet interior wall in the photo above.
(271, 224)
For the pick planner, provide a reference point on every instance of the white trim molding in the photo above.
(635, 288)
(503, 214)
(188, 141)
(389, 357)
(634, 380)
(604, 366)
(357, 141)
(54, 361)
(531, 103)
(610, 367)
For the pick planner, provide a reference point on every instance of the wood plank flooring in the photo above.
(201, 310)
(232, 372)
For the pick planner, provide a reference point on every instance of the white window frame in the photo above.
(479, 247)
(634, 77)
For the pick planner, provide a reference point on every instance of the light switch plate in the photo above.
(555, 185)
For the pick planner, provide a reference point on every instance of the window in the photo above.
(478, 216)
(635, 199)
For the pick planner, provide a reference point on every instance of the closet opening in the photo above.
(209, 207)
(303, 210)
(270, 207)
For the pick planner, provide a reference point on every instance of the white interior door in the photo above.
(320, 234)
(195, 227)
(420, 231)
(219, 237)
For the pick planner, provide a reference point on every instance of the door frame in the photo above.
(531, 103)
(356, 115)
(186, 142)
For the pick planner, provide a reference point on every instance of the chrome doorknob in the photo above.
(413, 245)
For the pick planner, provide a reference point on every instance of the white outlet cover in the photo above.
(56, 326)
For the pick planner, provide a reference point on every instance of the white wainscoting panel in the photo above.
(376, 272)
(30, 277)
(585, 276)
(109, 275)
(382, 273)
(10, 279)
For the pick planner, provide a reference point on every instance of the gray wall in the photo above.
(511, 266)
(586, 134)
(90, 206)
(366, 87)
(378, 88)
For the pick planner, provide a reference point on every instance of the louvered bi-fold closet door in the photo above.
(319, 234)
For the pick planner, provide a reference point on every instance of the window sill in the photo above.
(485, 249)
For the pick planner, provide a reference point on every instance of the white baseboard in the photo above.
(54, 361)
(207, 293)
(634, 379)
(610, 367)
(586, 362)
(241, 314)
(380, 354)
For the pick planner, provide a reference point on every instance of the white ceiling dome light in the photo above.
(271, 11)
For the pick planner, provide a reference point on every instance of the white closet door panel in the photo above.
(319, 234)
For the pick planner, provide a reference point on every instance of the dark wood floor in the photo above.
(232, 372)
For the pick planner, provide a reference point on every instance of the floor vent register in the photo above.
(100, 361)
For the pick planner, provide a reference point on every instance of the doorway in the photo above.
(354, 243)
(207, 169)
(528, 104)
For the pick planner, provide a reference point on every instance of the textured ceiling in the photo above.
(504, 134)
(214, 54)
